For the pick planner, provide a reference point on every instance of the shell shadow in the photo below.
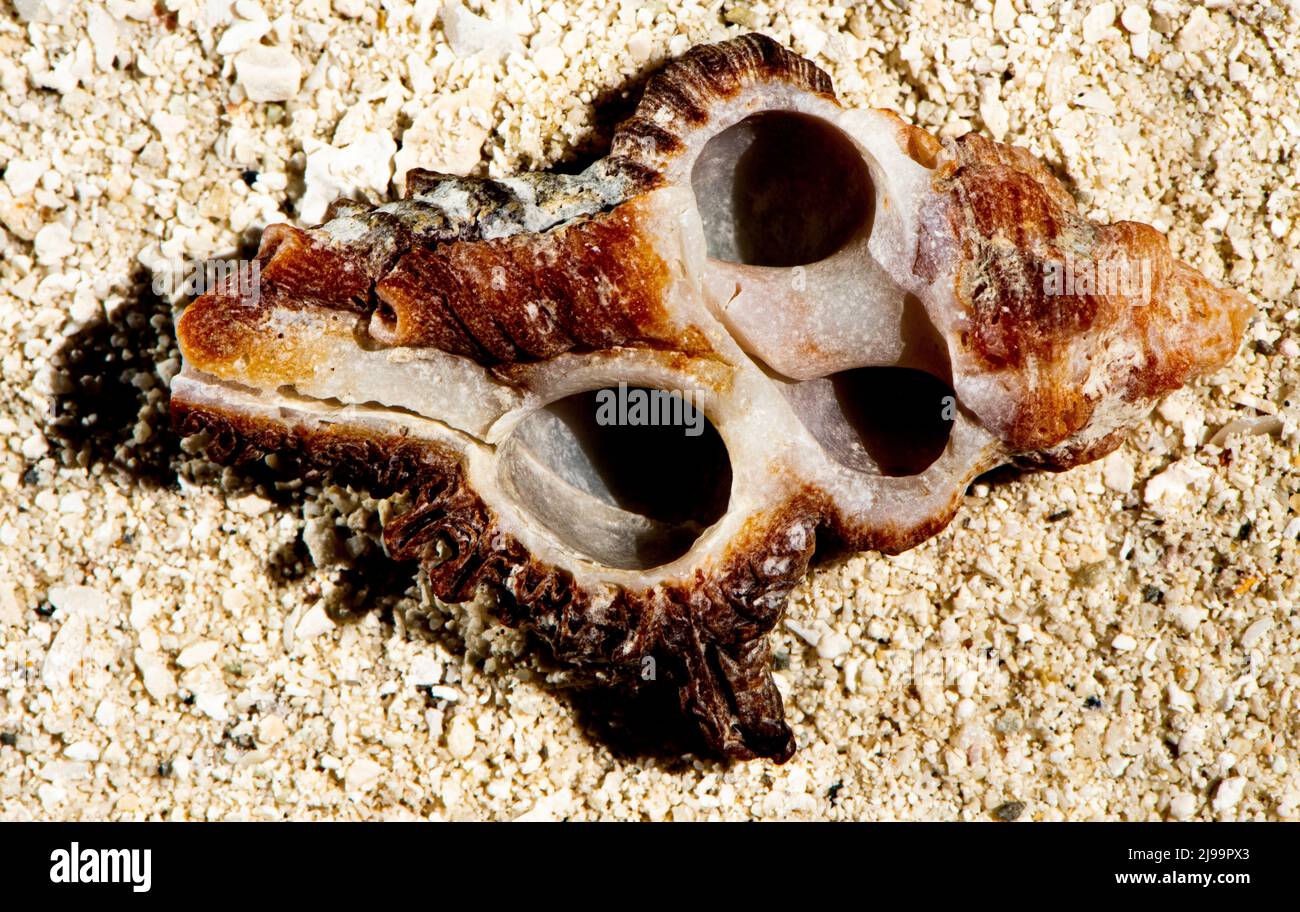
(111, 413)
(609, 108)
(111, 407)
(114, 387)
(641, 726)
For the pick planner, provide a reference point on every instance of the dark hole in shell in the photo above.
(899, 414)
(650, 490)
(892, 421)
(781, 189)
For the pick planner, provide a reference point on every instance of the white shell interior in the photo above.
(788, 227)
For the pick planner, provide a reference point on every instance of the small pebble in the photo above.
(268, 73)
(1256, 632)
(84, 600)
(53, 244)
(1004, 15)
(315, 622)
(22, 175)
(1183, 806)
(82, 751)
(198, 653)
(363, 774)
(158, 681)
(424, 671)
(1228, 795)
(1123, 643)
(1179, 699)
(550, 60)
(1009, 811)
(469, 34)
(833, 645)
(1135, 19)
(1098, 20)
(460, 737)
(271, 730)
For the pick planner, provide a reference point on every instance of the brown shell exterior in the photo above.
(1011, 219)
(595, 284)
(592, 284)
(678, 97)
(708, 637)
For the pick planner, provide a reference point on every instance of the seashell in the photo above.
(868, 318)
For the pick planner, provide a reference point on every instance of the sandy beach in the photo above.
(180, 641)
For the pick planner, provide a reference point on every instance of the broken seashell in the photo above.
(868, 318)
(1266, 424)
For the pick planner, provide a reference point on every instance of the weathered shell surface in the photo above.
(749, 240)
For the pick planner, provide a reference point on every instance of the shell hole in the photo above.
(892, 421)
(781, 189)
(612, 485)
